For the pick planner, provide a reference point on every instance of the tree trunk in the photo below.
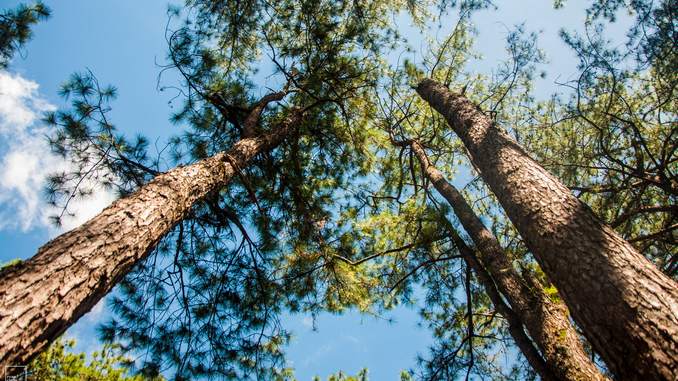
(545, 320)
(41, 297)
(627, 308)
(515, 325)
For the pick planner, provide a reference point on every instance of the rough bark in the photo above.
(546, 321)
(627, 308)
(515, 325)
(41, 297)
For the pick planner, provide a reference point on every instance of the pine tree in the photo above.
(546, 321)
(59, 363)
(15, 28)
(597, 273)
(44, 295)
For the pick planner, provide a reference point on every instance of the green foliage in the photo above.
(469, 338)
(341, 376)
(85, 135)
(15, 28)
(307, 226)
(614, 147)
(10, 263)
(613, 141)
(58, 363)
(339, 216)
(221, 278)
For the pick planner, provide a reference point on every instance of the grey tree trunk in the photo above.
(41, 297)
(627, 308)
(546, 321)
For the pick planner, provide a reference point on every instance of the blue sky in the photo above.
(121, 42)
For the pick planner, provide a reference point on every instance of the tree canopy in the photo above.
(15, 28)
(59, 363)
(341, 215)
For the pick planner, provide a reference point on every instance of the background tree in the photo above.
(622, 109)
(15, 28)
(59, 363)
(219, 280)
(86, 136)
(512, 94)
(405, 243)
(341, 376)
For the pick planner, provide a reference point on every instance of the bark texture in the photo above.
(41, 297)
(627, 308)
(546, 321)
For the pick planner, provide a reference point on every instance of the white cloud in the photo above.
(26, 161)
(19, 105)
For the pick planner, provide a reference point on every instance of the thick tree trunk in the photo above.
(545, 320)
(515, 325)
(627, 308)
(41, 297)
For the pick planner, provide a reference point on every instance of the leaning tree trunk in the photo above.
(41, 297)
(545, 320)
(515, 325)
(627, 308)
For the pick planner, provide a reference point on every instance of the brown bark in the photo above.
(515, 325)
(627, 308)
(252, 119)
(546, 321)
(41, 297)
